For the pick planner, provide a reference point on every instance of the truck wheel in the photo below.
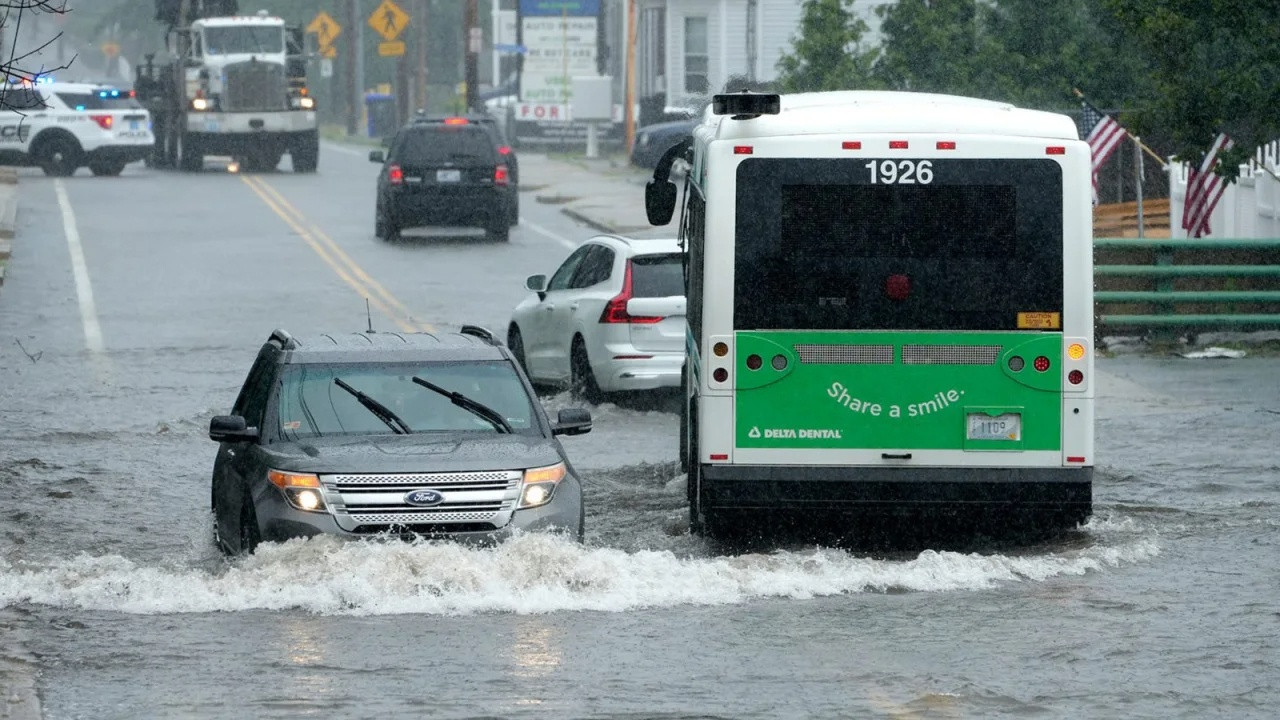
(263, 161)
(59, 156)
(108, 168)
(306, 152)
(190, 158)
(515, 209)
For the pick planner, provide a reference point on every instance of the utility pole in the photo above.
(420, 72)
(474, 39)
(349, 70)
(629, 110)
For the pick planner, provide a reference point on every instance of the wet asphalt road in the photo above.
(1163, 606)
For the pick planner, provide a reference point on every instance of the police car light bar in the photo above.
(746, 105)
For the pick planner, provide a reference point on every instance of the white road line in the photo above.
(84, 290)
(547, 233)
(338, 147)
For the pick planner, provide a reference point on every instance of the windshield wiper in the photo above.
(475, 408)
(384, 414)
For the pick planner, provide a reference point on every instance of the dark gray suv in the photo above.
(418, 434)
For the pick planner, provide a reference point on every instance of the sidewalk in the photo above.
(605, 193)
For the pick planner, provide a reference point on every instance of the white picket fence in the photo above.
(1250, 207)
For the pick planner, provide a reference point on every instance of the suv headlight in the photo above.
(540, 485)
(302, 490)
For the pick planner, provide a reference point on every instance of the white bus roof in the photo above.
(868, 111)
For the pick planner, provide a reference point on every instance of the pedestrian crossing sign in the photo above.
(388, 20)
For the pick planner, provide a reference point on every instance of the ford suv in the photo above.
(421, 434)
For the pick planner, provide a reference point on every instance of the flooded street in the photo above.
(1162, 606)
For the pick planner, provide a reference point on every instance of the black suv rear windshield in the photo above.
(657, 276)
(312, 405)
(101, 100)
(430, 144)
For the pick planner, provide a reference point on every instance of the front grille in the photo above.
(950, 354)
(254, 86)
(374, 502)
(845, 354)
(423, 529)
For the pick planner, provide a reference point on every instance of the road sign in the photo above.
(395, 48)
(326, 29)
(389, 21)
(328, 52)
(110, 49)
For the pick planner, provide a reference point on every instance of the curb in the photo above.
(590, 222)
(8, 214)
(18, 669)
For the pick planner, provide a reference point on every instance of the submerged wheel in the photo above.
(250, 536)
(515, 341)
(582, 379)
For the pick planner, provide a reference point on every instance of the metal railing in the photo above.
(1175, 284)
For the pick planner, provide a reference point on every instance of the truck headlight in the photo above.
(540, 485)
(302, 490)
(302, 103)
(201, 104)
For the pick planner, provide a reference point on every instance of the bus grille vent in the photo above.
(845, 354)
(950, 354)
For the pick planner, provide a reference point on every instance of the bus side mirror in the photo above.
(659, 201)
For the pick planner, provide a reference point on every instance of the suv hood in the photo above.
(419, 453)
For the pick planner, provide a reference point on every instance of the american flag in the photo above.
(1103, 134)
(1204, 190)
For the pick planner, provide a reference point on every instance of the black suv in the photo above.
(419, 434)
(500, 143)
(443, 173)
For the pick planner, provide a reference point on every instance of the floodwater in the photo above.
(1163, 605)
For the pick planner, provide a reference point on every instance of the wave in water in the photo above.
(530, 574)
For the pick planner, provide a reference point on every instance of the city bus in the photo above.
(890, 308)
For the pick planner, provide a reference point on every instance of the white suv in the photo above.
(611, 318)
(62, 127)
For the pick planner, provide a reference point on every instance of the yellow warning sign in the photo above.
(326, 29)
(328, 52)
(110, 49)
(394, 48)
(1039, 320)
(389, 21)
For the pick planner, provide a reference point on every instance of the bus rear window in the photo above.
(817, 249)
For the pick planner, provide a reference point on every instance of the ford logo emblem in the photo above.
(424, 498)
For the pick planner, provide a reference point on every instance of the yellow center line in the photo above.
(319, 249)
(343, 257)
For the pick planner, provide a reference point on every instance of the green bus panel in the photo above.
(896, 390)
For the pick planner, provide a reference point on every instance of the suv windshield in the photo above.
(312, 405)
(442, 143)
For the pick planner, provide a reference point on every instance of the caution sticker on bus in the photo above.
(1039, 321)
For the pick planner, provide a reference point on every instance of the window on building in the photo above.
(696, 56)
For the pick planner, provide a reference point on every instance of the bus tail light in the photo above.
(1075, 377)
(743, 149)
(717, 366)
(395, 175)
(1041, 364)
(615, 311)
(1076, 364)
(1055, 150)
(851, 145)
(897, 144)
(946, 145)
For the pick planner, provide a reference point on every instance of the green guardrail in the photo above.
(1165, 299)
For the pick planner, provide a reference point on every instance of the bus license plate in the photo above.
(450, 176)
(995, 427)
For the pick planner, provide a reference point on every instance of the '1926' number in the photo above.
(900, 172)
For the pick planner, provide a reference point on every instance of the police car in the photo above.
(63, 126)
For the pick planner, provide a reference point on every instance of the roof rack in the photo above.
(284, 338)
(480, 332)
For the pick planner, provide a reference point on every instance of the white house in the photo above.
(687, 49)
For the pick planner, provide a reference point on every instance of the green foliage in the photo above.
(1216, 67)
(826, 54)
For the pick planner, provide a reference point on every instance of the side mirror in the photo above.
(385, 142)
(572, 421)
(377, 156)
(231, 428)
(659, 201)
(536, 283)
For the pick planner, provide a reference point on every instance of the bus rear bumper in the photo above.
(829, 488)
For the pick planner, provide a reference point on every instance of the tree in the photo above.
(14, 64)
(1215, 66)
(827, 54)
